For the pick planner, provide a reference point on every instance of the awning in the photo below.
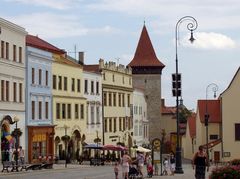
(212, 144)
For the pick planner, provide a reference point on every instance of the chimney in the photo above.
(81, 58)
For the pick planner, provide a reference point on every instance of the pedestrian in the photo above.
(126, 159)
(140, 162)
(200, 163)
(156, 168)
(21, 154)
(116, 170)
(172, 163)
(165, 166)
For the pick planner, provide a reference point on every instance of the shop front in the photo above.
(40, 143)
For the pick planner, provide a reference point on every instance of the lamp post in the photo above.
(191, 26)
(66, 145)
(214, 89)
(16, 119)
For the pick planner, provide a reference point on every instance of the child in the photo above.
(165, 166)
(116, 169)
(150, 170)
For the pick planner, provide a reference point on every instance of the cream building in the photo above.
(118, 100)
(214, 128)
(140, 121)
(69, 106)
(12, 84)
(230, 119)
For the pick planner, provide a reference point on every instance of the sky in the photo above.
(110, 29)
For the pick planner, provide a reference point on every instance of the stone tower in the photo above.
(147, 70)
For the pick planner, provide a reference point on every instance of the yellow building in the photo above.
(69, 107)
(230, 119)
(117, 100)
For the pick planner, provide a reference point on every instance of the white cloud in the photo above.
(55, 4)
(210, 41)
(50, 25)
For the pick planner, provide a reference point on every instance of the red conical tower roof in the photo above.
(145, 55)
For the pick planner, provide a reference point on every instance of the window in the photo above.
(76, 111)
(46, 110)
(33, 109)
(20, 93)
(82, 111)
(14, 53)
(33, 75)
(2, 90)
(69, 111)
(46, 78)
(78, 85)
(114, 125)
(65, 83)
(120, 124)
(2, 49)
(20, 54)
(213, 137)
(105, 125)
(123, 79)
(110, 124)
(237, 131)
(64, 111)
(58, 110)
(114, 99)
(7, 50)
(92, 114)
(40, 77)
(110, 99)
(59, 82)
(7, 90)
(119, 100)
(128, 98)
(73, 84)
(97, 87)
(14, 91)
(113, 78)
(40, 109)
(130, 81)
(54, 82)
(92, 87)
(123, 100)
(98, 115)
(86, 86)
(124, 123)
(105, 99)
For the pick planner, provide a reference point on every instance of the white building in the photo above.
(140, 121)
(12, 84)
(93, 94)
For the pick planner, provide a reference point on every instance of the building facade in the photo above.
(12, 86)
(69, 107)
(140, 121)
(117, 91)
(93, 94)
(230, 119)
(146, 72)
(39, 119)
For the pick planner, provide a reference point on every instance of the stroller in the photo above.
(134, 173)
(150, 170)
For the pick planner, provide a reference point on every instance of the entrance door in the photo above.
(216, 156)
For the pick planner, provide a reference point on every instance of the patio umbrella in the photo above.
(109, 147)
(93, 146)
(142, 149)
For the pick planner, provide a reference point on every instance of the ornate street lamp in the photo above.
(191, 26)
(214, 89)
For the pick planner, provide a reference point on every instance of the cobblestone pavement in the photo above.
(84, 172)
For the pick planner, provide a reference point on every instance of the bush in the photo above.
(227, 172)
(235, 162)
